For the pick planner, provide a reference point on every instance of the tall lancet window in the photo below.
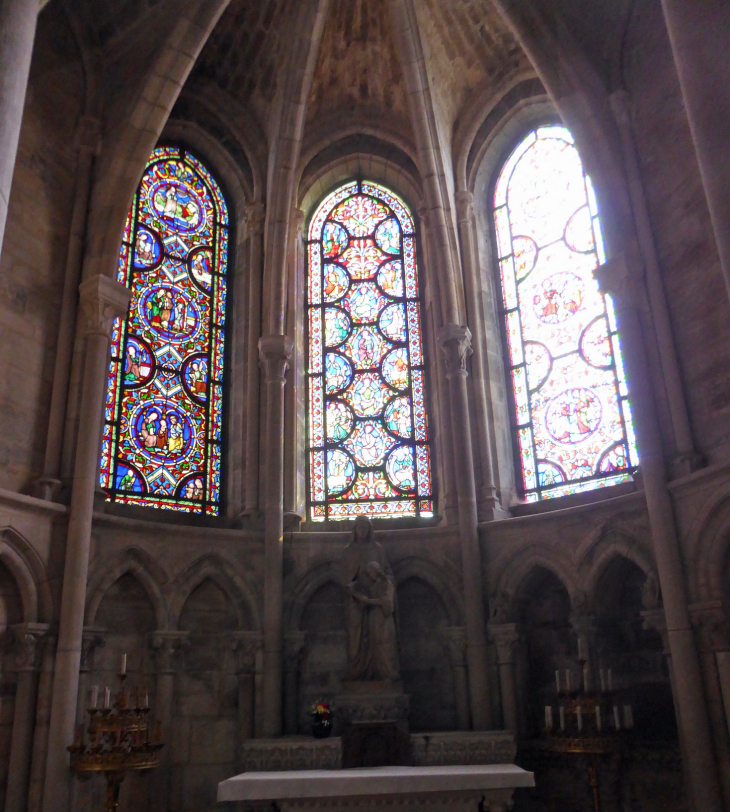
(368, 435)
(572, 418)
(164, 407)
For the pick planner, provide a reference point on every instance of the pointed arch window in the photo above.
(572, 418)
(368, 435)
(163, 416)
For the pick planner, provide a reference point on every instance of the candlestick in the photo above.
(549, 717)
(94, 696)
(628, 717)
(616, 720)
(561, 711)
(123, 668)
(557, 681)
(598, 718)
(579, 715)
(107, 697)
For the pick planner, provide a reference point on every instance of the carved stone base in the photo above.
(372, 702)
(463, 747)
(291, 753)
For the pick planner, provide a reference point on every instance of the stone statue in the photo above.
(372, 647)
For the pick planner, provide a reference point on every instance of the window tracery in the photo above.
(368, 435)
(572, 414)
(163, 418)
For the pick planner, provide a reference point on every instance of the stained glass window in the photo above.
(571, 407)
(368, 435)
(161, 445)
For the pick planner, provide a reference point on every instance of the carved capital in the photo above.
(464, 206)
(651, 593)
(101, 301)
(27, 636)
(453, 639)
(423, 212)
(710, 621)
(247, 645)
(619, 277)
(297, 222)
(504, 636)
(91, 640)
(275, 352)
(254, 215)
(294, 644)
(455, 343)
(500, 604)
(166, 646)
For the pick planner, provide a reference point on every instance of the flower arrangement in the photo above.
(321, 714)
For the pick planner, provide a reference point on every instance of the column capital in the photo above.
(27, 651)
(254, 215)
(464, 206)
(166, 645)
(246, 645)
(504, 636)
(275, 352)
(101, 301)
(710, 620)
(91, 640)
(453, 639)
(455, 343)
(297, 221)
(423, 211)
(618, 277)
(294, 646)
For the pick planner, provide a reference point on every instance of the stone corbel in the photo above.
(455, 343)
(246, 645)
(710, 621)
(254, 215)
(166, 647)
(621, 277)
(91, 640)
(101, 301)
(27, 636)
(505, 637)
(275, 352)
(464, 207)
(297, 222)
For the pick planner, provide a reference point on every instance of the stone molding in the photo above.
(275, 352)
(166, 646)
(491, 800)
(102, 300)
(27, 637)
(455, 343)
(247, 646)
(504, 636)
(291, 753)
(463, 747)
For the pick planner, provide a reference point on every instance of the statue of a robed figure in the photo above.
(372, 645)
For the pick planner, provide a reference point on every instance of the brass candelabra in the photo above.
(119, 739)
(589, 722)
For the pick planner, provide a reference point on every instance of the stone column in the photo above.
(42, 719)
(101, 301)
(246, 645)
(455, 343)
(698, 33)
(617, 278)
(505, 636)
(713, 635)
(91, 640)
(255, 213)
(17, 31)
(453, 639)
(293, 654)
(166, 646)
(275, 351)
(655, 620)
(489, 506)
(28, 652)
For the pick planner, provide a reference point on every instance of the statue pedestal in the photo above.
(373, 720)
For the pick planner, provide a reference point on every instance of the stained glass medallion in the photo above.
(571, 406)
(368, 436)
(163, 423)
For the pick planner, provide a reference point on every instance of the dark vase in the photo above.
(321, 728)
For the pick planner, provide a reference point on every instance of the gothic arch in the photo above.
(30, 575)
(605, 547)
(225, 576)
(437, 577)
(301, 592)
(145, 570)
(709, 546)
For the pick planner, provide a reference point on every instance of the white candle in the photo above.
(562, 717)
(579, 715)
(557, 681)
(628, 717)
(94, 695)
(567, 680)
(107, 697)
(603, 680)
(548, 717)
(146, 699)
(123, 667)
(598, 718)
(610, 680)
(616, 720)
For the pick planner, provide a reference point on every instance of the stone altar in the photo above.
(381, 788)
